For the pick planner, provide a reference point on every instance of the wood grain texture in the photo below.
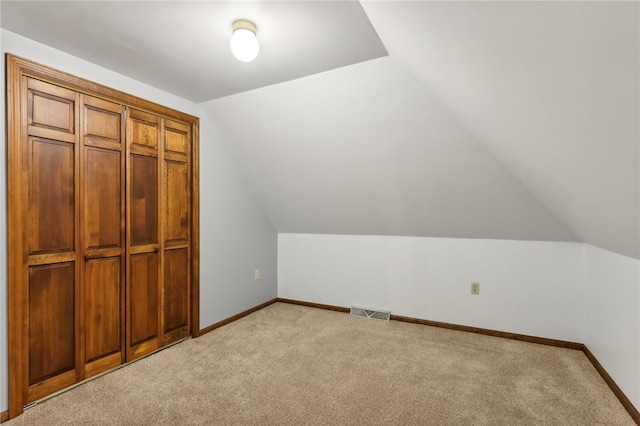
(102, 198)
(51, 111)
(17, 201)
(176, 290)
(49, 144)
(194, 215)
(50, 385)
(51, 321)
(4, 416)
(101, 122)
(145, 257)
(102, 313)
(143, 200)
(176, 205)
(144, 298)
(143, 131)
(177, 140)
(50, 258)
(52, 196)
(102, 332)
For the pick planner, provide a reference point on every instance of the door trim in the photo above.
(17, 69)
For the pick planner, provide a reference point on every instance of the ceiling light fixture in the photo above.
(244, 44)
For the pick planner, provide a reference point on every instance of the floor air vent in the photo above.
(370, 313)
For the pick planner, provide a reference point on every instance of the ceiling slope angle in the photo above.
(182, 47)
(366, 149)
(551, 89)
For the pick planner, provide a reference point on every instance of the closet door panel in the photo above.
(51, 342)
(51, 111)
(177, 202)
(102, 123)
(102, 308)
(51, 196)
(51, 321)
(144, 303)
(177, 139)
(143, 131)
(176, 290)
(144, 200)
(102, 198)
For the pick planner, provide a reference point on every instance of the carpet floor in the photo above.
(293, 365)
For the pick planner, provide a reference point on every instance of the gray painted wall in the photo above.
(235, 239)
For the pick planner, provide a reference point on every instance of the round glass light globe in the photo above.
(244, 45)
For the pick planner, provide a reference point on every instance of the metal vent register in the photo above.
(378, 314)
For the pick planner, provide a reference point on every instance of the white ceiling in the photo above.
(183, 46)
(514, 120)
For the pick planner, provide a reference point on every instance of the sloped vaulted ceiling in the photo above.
(550, 88)
(368, 150)
(487, 120)
(508, 120)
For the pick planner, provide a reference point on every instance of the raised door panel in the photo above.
(176, 203)
(102, 198)
(51, 111)
(177, 140)
(51, 319)
(102, 123)
(176, 293)
(143, 304)
(102, 310)
(51, 196)
(143, 132)
(143, 201)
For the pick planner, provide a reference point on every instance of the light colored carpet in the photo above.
(293, 365)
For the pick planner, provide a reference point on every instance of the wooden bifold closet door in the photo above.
(102, 206)
(102, 217)
(158, 241)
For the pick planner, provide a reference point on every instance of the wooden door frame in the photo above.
(17, 69)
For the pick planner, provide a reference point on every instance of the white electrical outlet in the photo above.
(475, 288)
(256, 275)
